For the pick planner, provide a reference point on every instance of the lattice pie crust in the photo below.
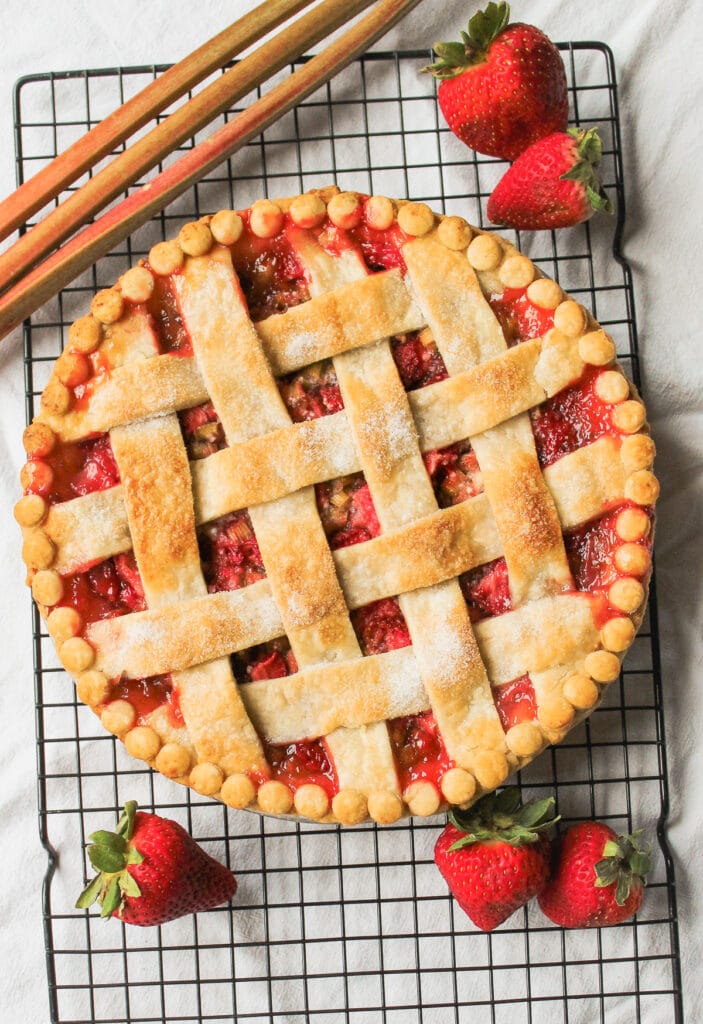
(117, 377)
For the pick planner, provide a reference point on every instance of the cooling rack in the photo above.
(350, 925)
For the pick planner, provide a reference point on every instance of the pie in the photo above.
(339, 508)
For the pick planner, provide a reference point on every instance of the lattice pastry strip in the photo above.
(292, 542)
(447, 654)
(572, 479)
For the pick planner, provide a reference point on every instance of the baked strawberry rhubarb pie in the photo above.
(337, 507)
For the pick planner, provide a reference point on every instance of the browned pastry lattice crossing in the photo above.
(270, 465)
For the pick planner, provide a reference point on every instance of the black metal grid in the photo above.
(355, 924)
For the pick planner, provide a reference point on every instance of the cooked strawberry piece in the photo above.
(170, 329)
(146, 695)
(269, 272)
(312, 392)
(347, 511)
(382, 250)
(520, 319)
(270, 666)
(381, 626)
(486, 590)
(418, 360)
(515, 702)
(571, 419)
(454, 472)
(230, 553)
(203, 432)
(418, 749)
(110, 588)
(271, 660)
(73, 469)
(307, 761)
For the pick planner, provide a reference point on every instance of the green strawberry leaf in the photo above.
(113, 898)
(103, 858)
(89, 895)
(111, 840)
(134, 856)
(623, 888)
(128, 885)
(607, 871)
(599, 200)
(484, 27)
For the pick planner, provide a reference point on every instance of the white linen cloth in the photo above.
(657, 51)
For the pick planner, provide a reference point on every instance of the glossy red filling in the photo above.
(271, 660)
(302, 763)
(203, 432)
(229, 553)
(73, 469)
(454, 472)
(108, 589)
(381, 250)
(520, 318)
(312, 392)
(270, 274)
(146, 695)
(418, 360)
(346, 510)
(515, 702)
(590, 550)
(381, 626)
(571, 419)
(419, 751)
(486, 590)
(168, 323)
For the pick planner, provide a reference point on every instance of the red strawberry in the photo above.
(503, 86)
(599, 877)
(495, 858)
(151, 871)
(553, 184)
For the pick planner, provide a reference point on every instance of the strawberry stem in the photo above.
(111, 853)
(590, 152)
(483, 28)
(503, 817)
(623, 864)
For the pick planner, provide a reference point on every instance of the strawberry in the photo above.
(599, 877)
(495, 857)
(553, 184)
(503, 86)
(150, 871)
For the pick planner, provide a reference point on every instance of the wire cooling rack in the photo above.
(335, 925)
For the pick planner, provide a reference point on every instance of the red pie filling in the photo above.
(486, 590)
(229, 553)
(269, 272)
(168, 323)
(520, 318)
(72, 469)
(420, 754)
(592, 551)
(515, 702)
(146, 695)
(571, 419)
(418, 360)
(346, 510)
(454, 472)
(202, 431)
(312, 392)
(108, 589)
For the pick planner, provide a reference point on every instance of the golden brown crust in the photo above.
(270, 465)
